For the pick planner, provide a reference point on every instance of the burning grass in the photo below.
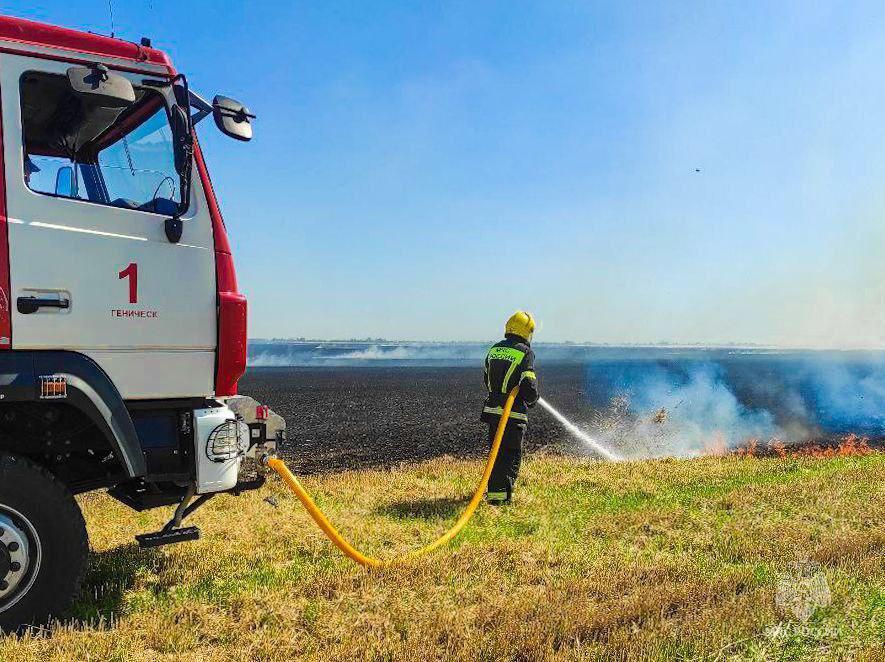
(657, 559)
(848, 446)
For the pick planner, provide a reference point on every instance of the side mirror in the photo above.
(102, 87)
(65, 183)
(232, 118)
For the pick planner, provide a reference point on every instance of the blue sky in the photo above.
(422, 169)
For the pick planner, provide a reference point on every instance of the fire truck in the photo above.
(122, 331)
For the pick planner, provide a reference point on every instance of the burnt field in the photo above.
(361, 417)
(382, 416)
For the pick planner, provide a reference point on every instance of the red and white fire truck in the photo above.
(122, 332)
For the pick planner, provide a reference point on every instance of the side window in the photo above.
(76, 148)
(139, 169)
(54, 175)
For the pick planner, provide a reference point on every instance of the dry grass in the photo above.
(659, 559)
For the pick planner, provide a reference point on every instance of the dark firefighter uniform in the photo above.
(508, 364)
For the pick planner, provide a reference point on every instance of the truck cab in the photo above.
(122, 330)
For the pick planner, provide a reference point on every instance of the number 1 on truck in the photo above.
(131, 272)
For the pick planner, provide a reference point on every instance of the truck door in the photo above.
(88, 191)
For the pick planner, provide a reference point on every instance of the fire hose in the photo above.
(370, 561)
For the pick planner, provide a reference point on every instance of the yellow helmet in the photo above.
(521, 324)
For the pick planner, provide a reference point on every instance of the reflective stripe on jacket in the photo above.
(510, 363)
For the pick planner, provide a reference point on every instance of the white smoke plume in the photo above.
(655, 417)
(330, 354)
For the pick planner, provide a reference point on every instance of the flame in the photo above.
(716, 446)
(848, 446)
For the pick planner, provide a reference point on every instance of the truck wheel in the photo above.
(43, 544)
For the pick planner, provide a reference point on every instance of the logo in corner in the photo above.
(802, 590)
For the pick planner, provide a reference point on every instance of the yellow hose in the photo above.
(323, 522)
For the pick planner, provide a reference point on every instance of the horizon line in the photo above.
(583, 343)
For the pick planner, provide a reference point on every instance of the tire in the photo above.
(43, 547)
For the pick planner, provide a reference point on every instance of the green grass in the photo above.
(660, 559)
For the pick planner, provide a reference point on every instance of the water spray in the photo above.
(580, 434)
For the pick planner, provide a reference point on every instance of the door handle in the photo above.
(28, 305)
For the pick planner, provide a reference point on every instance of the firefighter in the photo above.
(508, 364)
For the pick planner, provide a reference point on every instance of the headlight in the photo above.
(228, 441)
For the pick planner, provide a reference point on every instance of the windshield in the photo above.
(76, 149)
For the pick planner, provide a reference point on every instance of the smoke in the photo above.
(343, 354)
(688, 408)
(270, 360)
(377, 353)
(680, 411)
(847, 396)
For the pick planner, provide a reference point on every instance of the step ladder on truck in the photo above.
(122, 331)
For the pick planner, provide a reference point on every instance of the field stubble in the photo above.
(653, 559)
